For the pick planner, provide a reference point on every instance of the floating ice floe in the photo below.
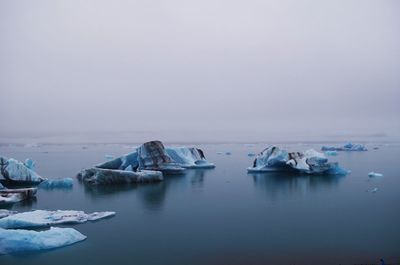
(347, 147)
(374, 175)
(309, 162)
(16, 241)
(100, 176)
(16, 195)
(372, 190)
(65, 183)
(147, 164)
(331, 153)
(43, 218)
(15, 171)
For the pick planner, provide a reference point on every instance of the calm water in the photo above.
(224, 215)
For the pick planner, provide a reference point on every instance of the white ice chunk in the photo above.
(373, 190)
(43, 218)
(16, 241)
(188, 157)
(374, 174)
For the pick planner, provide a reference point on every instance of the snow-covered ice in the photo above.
(43, 218)
(310, 162)
(17, 241)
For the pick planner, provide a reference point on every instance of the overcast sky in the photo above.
(219, 68)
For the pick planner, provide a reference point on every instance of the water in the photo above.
(224, 215)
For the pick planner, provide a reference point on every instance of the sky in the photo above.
(210, 70)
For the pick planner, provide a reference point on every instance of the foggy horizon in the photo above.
(207, 71)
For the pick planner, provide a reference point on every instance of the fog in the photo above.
(210, 70)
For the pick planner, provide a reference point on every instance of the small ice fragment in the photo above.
(374, 174)
(251, 154)
(331, 153)
(29, 163)
(376, 148)
(219, 153)
(373, 190)
(228, 153)
(43, 218)
(65, 183)
(14, 241)
(109, 157)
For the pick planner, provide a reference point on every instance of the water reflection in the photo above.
(280, 184)
(152, 195)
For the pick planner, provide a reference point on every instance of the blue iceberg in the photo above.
(310, 162)
(347, 147)
(147, 163)
(65, 183)
(43, 218)
(17, 241)
(17, 172)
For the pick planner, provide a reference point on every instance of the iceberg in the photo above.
(16, 195)
(65, 183)
(17, 172)
(375, 175)
(16, 241)
(43, 218)
(147, 163)
(310, 162)
(100, 176)
(153, 156)
(347, 147)
(188, 157)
